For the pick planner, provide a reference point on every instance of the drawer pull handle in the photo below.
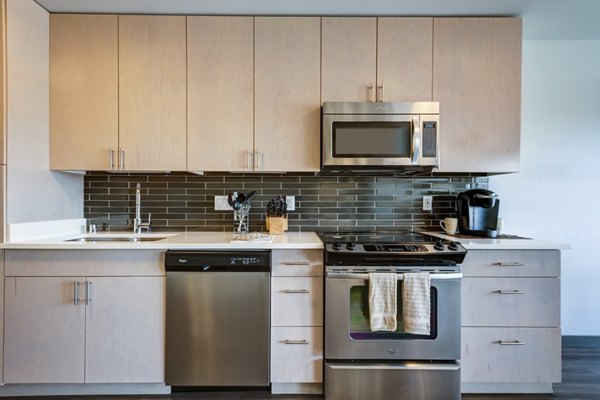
(513, 342)
(516, 291)
(303, 341)
(509, 264)
(296, 263)
(295, 291)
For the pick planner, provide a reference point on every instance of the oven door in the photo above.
(365, 140)
(347, 332)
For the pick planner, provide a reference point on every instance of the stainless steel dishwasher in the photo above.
(218, 318)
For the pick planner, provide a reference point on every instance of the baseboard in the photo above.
(581, 341)
(83, 389)
(296, 388)
(506, 388)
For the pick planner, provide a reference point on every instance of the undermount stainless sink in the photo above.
(132, 239)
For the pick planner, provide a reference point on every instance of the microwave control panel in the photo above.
(429, 139)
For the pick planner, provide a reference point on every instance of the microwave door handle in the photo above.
(416, 150)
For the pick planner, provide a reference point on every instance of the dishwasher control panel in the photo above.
(214, 261)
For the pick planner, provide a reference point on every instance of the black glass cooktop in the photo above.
(379, 237)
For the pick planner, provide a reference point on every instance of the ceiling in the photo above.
(542, 19)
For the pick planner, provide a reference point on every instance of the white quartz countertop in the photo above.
(180, 241)
(502, 244)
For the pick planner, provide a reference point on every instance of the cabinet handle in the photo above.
(255, 161)
(121, 159)
(296, 263)
(288, 341)
(248, 160)
(88, 292)
(370, 93)
(111, 159)
(513, 342)
(380, 87)
(516, 291)
(75, 293)
(288, 291)
(509, 264)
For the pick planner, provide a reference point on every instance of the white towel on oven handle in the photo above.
(416, 303)
(383, 305)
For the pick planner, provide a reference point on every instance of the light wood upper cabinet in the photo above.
(404, 58)
(477, 80)
(287, 93)
(349, 58)
(152, 92)
(83, 91)
(376, 59)
(220, 85)
(2, 82)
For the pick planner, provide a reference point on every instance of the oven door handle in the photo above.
(400, 277)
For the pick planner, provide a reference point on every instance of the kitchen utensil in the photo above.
(250, 196)
(233, 200)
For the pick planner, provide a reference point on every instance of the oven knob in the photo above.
(336, 246)
(351, 246)
(438, 245)
(453, 246)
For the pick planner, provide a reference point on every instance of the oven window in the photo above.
(371, 139)
(359, 317)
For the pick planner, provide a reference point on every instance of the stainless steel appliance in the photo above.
(361, 364)
(477, 212)
(218, 314)
(366, 136)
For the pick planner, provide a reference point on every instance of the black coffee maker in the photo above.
(477, 212)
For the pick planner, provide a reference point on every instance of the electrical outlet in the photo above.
(291, 202)
(221, 204)
(427, 203)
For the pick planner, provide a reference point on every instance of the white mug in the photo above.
(500, 226)
(449, 225)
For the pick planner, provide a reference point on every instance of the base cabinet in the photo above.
(511, 338)
(297, 321)
(83, 328)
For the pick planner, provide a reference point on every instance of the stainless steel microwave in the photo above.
(367, 136)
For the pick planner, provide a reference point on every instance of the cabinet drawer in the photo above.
(524, 355)
(297, 354)
(511, 302)
(515, 263)
(297, 301)
(297, 263)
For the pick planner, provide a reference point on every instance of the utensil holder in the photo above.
(241, 220)
(277, 225)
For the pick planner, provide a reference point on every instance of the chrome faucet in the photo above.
(138, 225)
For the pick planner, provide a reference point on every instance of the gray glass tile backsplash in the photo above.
(185, 202)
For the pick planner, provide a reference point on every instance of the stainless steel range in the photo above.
(364, 364)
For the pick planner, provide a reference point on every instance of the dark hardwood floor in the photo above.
(581, 381)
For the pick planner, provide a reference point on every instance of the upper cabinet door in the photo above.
(477, 80)
(152, 92)
(404, 49)
(349, 58)
(220, 93)
(83, 92)
(287, 93)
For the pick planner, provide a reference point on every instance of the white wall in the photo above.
(556, 194)
(33, 192)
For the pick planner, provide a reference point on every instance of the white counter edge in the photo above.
(503, 244)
